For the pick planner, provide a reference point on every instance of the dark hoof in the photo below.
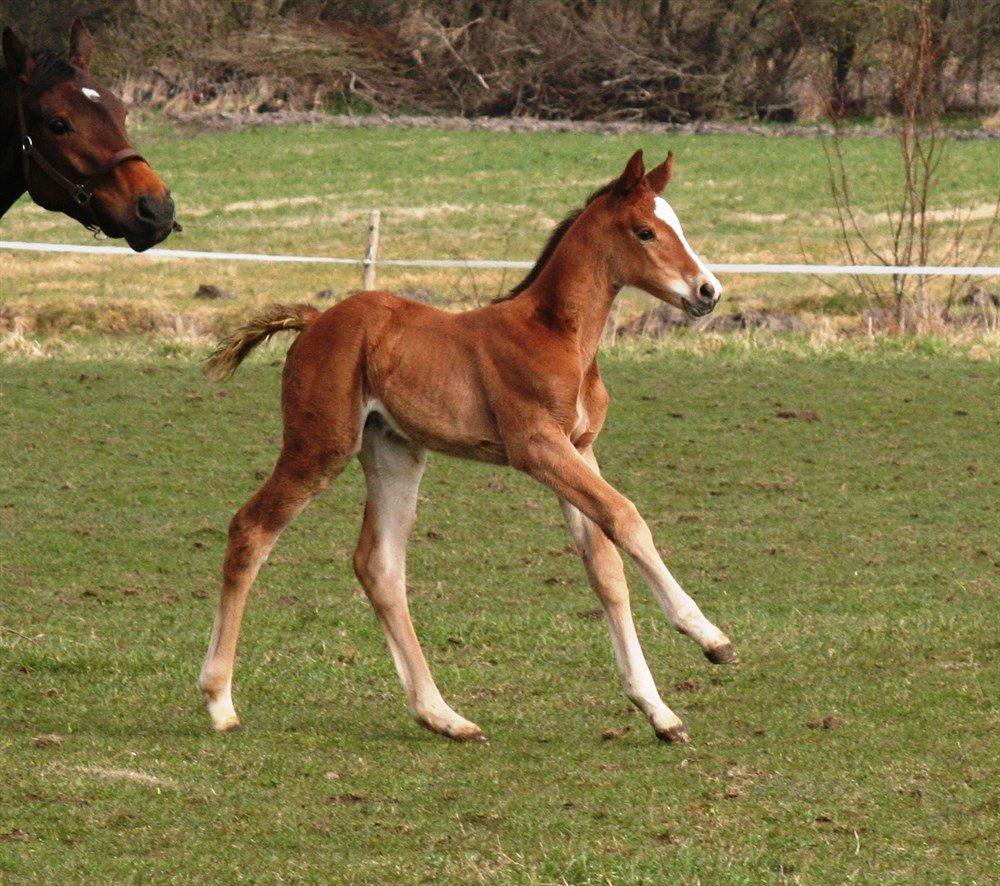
(674, 735)
(724, 654)
(235, 727)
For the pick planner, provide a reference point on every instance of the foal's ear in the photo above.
(629, 180)
(658, 177)
(16, 56)
(81, 45)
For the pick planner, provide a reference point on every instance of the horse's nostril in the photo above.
(145, 209)
(706, 291)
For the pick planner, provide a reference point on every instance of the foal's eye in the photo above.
(645, 234)
(59, 125)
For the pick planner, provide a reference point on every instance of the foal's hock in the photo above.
(517, 383)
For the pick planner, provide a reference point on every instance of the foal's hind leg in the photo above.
(393, 469)
(252, 534)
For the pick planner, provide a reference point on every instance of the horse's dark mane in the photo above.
(550, 245)
(51, 69)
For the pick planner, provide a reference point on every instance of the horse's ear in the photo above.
(16, 56)
(629, 180)
(81, 45)
(658, 177)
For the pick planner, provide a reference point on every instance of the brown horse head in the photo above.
(79, 160)
(637, 239)
(651, 251)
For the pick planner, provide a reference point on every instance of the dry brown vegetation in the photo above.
(658, 60)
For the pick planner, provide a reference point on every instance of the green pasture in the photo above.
(308, 190)
(834, 511)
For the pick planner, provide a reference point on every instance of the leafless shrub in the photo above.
(544, 59)
(655, 60)
(910, 232)
(181, 54)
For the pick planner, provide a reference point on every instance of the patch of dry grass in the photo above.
(120, 774)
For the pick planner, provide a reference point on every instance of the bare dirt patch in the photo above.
(15, 835)
(223, 121)
(663, 318)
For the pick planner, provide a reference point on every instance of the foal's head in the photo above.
(645, 244)
(78, 127)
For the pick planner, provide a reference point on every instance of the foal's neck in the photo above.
(12, 184)
(574, 293)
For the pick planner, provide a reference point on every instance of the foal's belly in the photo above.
(437, 433)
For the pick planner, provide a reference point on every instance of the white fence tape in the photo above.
(857, 270)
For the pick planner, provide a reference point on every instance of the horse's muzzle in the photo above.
(153, 222)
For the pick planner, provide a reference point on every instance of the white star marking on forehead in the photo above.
(665, 212)
(92, 94)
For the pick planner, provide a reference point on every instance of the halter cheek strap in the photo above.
(82, 193)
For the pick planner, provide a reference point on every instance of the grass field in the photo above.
(308, 190)
(851, 554)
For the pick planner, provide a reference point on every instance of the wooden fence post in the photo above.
(371, 248)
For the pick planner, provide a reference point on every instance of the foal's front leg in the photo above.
(393, 469)
(607, 577)
(548, 455)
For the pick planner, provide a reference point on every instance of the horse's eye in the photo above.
(59, 125)
(645, 234)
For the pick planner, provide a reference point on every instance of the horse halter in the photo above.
(82, 193)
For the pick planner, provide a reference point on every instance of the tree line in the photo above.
(657, 60)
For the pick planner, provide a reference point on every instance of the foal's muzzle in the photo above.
(705, 295)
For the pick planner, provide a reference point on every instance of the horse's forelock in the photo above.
(50, 70)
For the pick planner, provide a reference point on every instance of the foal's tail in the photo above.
(233, 349)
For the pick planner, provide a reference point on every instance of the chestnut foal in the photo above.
(515, 382)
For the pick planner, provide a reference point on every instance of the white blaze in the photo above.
(92, 94)
(665, 213)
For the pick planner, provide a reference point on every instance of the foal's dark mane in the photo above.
(550, 245)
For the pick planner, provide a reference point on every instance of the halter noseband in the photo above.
(82, 193)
